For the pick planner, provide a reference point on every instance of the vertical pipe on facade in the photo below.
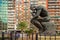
(15, 14)
(8, 14)
(47, 4)
(18, 12)
(14, 8)
(22, 8)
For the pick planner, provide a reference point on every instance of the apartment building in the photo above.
(7, 14)
(3, 14)
(53, 7)
(11, 15)
(23, 10)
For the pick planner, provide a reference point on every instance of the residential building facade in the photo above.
(23, 10)
(7, 14)
(53, 7)
(3, 14)
(11, 15)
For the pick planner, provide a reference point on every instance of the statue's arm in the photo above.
(47, 13)
(37, 13)
(47, 17)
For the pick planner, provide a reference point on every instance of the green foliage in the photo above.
(29, 31)
(22, 25)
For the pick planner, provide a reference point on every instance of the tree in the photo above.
(22, 25)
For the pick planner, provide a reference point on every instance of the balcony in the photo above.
(53, 4)
(53, 1)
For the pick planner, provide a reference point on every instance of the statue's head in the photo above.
(32, 7)
(39, 9)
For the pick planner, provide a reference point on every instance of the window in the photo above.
(52, 2)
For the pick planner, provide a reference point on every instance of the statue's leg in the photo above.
(50, 28)
(37, 24)
(43, 26)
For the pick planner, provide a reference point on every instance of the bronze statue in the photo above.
(40, 15)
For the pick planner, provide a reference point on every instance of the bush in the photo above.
(29, 31)
(22, 25)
